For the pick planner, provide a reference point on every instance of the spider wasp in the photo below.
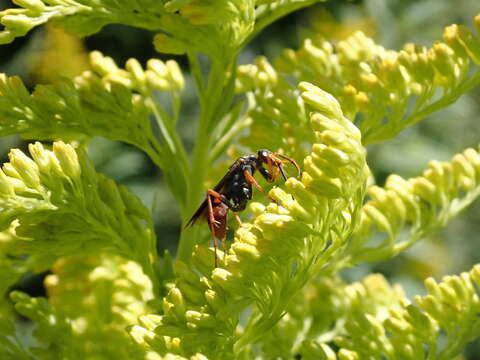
(235, 189)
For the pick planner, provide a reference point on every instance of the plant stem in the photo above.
(211, 99)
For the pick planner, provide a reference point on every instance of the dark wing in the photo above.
(234, 167)
(202, 209)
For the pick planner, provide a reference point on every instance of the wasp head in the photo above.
(263, 156)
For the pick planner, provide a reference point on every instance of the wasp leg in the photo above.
(239, 221)
(251, 180)
(272, 168)
(211, 220)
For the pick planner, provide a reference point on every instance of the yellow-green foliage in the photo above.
(277, 292)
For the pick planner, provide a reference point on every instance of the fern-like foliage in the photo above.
(211, 27)
(107, 101)
(373, 320)
(406, 211)
(59, 206)
(91, 301)
(382, 91)
(276, 293)
(261, 268)
(415, 331)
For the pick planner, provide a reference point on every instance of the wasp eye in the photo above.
(263, 154)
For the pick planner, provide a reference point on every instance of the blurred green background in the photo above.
(48, 52)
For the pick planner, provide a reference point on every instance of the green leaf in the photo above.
(109, 101)
(63, 207)
(91, 299)
(271, 258)
(406, 211)
(375, 86)
(413, 331)
(79, 17)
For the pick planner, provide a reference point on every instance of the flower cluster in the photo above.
(406, 211)
(412, 331)
(324, 310)
(59, 206)
(287, 243)
(375, 86)
(276, 292)
(107, 101)
(91, 301)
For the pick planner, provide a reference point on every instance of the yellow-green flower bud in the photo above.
(391, 75)
(40, 156)
(348, 355)
(448, 293)
(474, 159)
(378, 217)
(462, 166)
(227, 281)
(158, 67)
(215, 300)
(134, 67)
(422, 322)
(26, 168)
(139, 334)
(21, 24)
(463, 287)
(109, 193)
(320, 100)
(300, 192)
(397, 326)
(33, 5)
(200, 319)
(322, 185)
(198, 356)
(256, 208)
(451, 38)
(175, 73)
(321, 123)
(426, 190)
(176, 298)
(431, 305)
(475, 274)
(156, 82)
(104, 65)
(150, 321)
(120, 79)
(167, 306)
(470, 42)
(245, 252)
(476, 22)
(68, 159)
(330, 169)
(442, 57)
(6, 187)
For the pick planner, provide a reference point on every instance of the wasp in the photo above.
(235, 189)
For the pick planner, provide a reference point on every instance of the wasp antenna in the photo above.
(282, 172)
(293, 162)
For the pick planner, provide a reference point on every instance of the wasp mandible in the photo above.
(235, 189)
